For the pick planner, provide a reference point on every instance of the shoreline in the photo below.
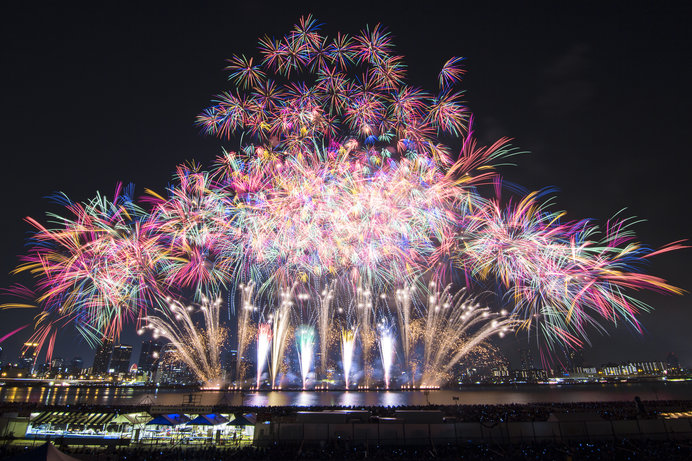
(22, 383)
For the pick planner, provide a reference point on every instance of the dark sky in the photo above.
(599, 95)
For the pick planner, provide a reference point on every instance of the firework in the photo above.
(198, 347)
(387, 351)
(453, 325)
(305, 344)
(280, 325)
(96, 269)
(325, 315)
(348, 343)
(264, 339)
(561, 276)
(244, 333)
(340, 190)
(443, 329)
(193, 225)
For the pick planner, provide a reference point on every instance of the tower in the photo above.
(120, 358)
(27, 356)
(149, 356)
(526, 359)
(103, 357)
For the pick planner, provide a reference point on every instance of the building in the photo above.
(672, 361)
(232, 364)
(526, 359)
(103, 357)
(500, 374)
(57, 364)
(27, 356)
(576, 359)
(171, 370)
(631, 369)
(76, 366)
(530, 376)
(149, 356)
(120, 359)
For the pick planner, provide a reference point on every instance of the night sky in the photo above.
(599, 96)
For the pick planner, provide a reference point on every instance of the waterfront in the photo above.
(470, 395)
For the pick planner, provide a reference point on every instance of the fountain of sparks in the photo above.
(264, 339)
(437, 329)
(365, 316)
(453, 325)
(348, 343)
(281, 320)
(198, 347)
(325, 314)
(305, 345)
(404, 305)
(247, 307)
(387, 352)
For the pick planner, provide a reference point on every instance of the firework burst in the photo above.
(339, 183)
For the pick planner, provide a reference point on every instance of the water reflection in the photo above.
(257, 399)
(307, 399)
(392, 399)
(350, 399)
(59, 395)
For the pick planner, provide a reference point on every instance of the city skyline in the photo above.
(662, 318)
(146, 354)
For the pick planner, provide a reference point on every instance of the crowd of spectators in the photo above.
(623, 449)
(617, 410)
(610, 450)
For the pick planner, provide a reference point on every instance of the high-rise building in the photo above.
(76, 366)
(103, 357)
(171, 370)
(57, 364)
(526, 359)
(672, 361)
(232, 364)
(27, 356)
(576, 359)
(149, 356)
(120, 358)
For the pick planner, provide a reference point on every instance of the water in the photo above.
(467, 396)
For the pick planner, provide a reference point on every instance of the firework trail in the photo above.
(12, 333)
